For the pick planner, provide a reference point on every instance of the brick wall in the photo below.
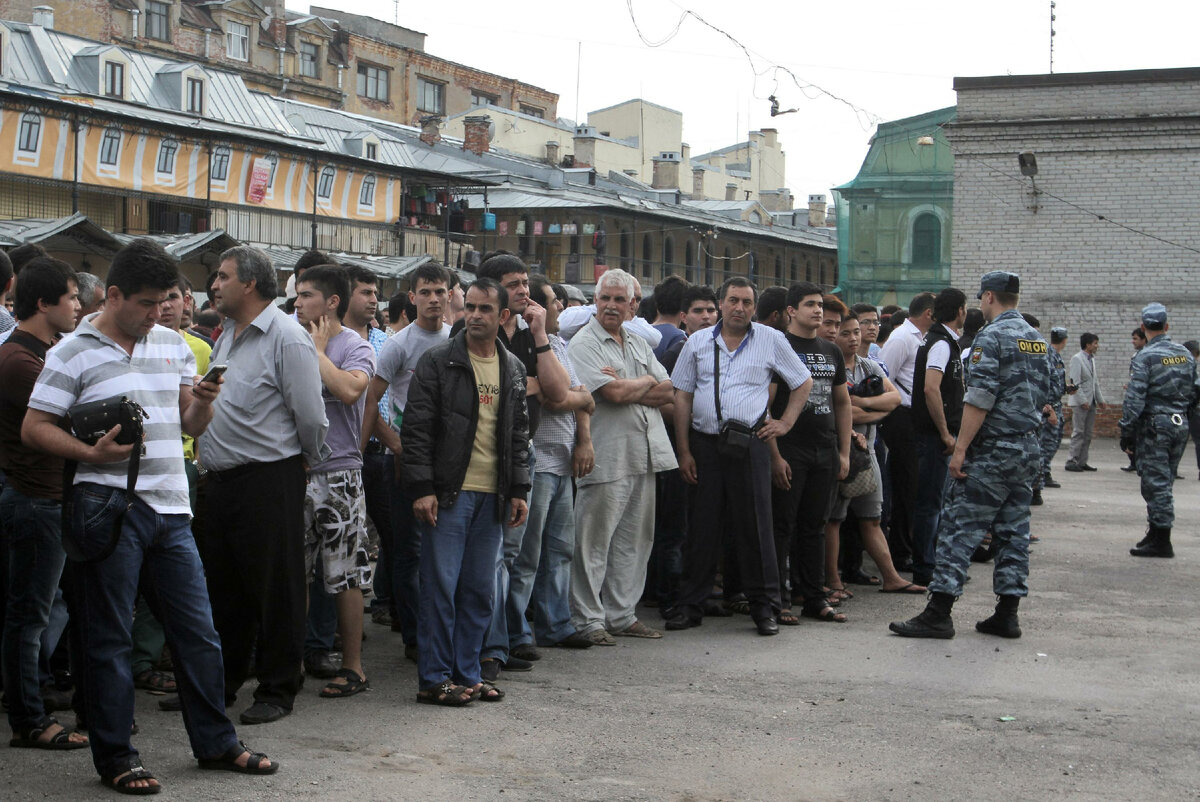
(1076, 270)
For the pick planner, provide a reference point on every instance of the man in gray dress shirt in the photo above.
(268, 425)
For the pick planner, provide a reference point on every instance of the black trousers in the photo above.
(898, 434)
(799, 522)
(738, 494)
(252, 547)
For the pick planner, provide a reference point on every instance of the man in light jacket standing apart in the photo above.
(1084, 401)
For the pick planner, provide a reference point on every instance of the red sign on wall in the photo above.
(260, 174)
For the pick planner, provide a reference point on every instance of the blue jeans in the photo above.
(405, 564)
(35, 564)
(932, 466)
(321, 626)
(161, 551)
(505, 618)
(458, 585)
(542, 569)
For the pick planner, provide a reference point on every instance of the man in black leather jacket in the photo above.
(466, 462)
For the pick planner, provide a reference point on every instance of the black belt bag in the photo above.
(90, 422)
(734, 438)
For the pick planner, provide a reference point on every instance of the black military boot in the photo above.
(1158, 545)
(1004, 621)
(933, 622)
(1036, 501)
(1049, 481)
(1145, 541)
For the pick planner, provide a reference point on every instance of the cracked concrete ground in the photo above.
(1102, 691)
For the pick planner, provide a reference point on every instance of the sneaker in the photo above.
(382, 617)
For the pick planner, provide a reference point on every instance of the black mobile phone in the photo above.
(214, 372)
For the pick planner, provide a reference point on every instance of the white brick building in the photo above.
(1122, 145)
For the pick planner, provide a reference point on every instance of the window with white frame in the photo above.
(195, 95)
(237, 41)
(366, 196)
(431, 96)
(167, 151)
(373, 82)
(158, 21)
(30, 135)
(110, 147)
(220, 163)
(325, 184)
(533, 111)
(114, 79)
(309, 63)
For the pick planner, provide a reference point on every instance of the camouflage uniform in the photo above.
(1051, 433)
(1162, 385)
(1010, 378)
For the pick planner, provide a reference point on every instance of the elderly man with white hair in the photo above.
(614, 508)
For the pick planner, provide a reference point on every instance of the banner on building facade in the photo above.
(260, 174)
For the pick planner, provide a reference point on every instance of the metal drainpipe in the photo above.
(207, 46)
(316, 179)
(446, 225)
(75, 164)
(134, 13)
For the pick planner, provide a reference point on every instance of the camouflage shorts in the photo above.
(335, 526)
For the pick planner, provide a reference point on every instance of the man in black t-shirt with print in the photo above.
(807, 462)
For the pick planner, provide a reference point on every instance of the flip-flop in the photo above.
(909, 588)
(824, 614)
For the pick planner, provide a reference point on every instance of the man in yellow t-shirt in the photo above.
(466, 462)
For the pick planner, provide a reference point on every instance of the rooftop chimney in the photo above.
(770, 137)
(731, 192)
(430, 134)
(477, 134)
(816, 211)
(666, 170)
(585, 145)
(552, 152)
(697, 183)
(44, 16)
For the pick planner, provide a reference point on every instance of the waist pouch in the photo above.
(91, 531)
(734, 440)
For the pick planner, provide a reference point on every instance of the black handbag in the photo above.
(734, 437)
(89, 423)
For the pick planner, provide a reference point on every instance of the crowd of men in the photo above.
(538, 472)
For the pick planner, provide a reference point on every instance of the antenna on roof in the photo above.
(396, 12)
(1052, 18)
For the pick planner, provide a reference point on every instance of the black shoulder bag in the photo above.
(733, 441)
(89, 423)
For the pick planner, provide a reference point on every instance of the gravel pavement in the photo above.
(1099, 700)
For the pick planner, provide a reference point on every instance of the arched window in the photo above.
(220, 163)
(31, 133)
(779, 268)
(752, 267)
(366, 196)
(689, 258)
(110, 147)
(927, 239)
(808, 271)
(708, 266)
(794, 271)
(325, 184)
(668, 255)
(167, 150)
(575, 236)
(647, 255)
(626, 249)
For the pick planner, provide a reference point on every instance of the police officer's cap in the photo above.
(1154, 314)
(999, 281)
(1058, 334)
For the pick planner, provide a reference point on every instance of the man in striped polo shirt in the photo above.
(121, 351)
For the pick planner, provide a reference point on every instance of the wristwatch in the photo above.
(541, 349)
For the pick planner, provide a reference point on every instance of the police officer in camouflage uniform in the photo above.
(1052, 413)
(1163, 386)
(996, 458)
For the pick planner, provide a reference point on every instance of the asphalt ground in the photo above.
(1099, 699)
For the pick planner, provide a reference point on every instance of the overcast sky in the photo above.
(885, 59)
